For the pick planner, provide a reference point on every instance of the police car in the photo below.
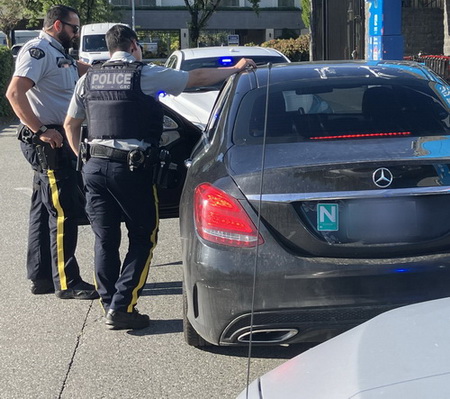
(196, 103)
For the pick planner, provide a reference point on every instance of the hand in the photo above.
(245, 63)
(52, 137)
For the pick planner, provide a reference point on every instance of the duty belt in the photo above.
(105, 152)
(135, 159)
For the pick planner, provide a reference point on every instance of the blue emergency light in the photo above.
(226, 61)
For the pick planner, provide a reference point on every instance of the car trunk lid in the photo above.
(352, 198)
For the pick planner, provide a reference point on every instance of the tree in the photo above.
(11, 13)
(306, 12)
(201, 11)
(90, 10)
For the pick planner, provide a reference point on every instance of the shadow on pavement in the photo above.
(158, 327)
(261, 352)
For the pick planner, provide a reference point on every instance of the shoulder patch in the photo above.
(36, 53)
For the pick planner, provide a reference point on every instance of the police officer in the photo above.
(39, 93)
(125, 122)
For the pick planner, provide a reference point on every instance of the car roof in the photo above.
(220, 51)
(352, 69)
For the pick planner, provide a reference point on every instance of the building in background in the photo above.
(274, 20)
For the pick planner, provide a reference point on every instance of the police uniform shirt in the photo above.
(154, 80)
(54, 75)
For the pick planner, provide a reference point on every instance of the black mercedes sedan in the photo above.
(316, 199)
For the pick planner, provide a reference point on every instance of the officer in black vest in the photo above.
(125, 120)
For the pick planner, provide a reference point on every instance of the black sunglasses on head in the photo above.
(75, 28)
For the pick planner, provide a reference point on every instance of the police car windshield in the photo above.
(95, 43)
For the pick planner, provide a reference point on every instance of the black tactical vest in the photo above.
(117, 108)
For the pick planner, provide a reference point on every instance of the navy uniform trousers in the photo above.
(115, 194)
(53, 223)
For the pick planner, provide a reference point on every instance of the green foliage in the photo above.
(295, 49)
(6, 72)
(168, 41)
(288, 34)
(215, 39)
(11, 13)
(201, 11)
(306, 12)
(90, 11)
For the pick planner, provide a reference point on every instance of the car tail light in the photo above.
(220, 218)
(360, 135)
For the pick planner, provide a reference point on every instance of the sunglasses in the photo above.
(139, 45)
(75, 28)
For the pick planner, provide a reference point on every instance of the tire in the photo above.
(191, 336)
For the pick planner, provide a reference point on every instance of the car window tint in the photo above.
(217, 110)
(342, 111)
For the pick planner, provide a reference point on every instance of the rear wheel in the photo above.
(190, 335)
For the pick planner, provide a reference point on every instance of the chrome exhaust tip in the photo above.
(267, 336)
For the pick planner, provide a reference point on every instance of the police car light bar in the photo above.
(226, 61)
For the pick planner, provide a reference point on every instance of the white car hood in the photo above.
(401, 354)
(195, 107)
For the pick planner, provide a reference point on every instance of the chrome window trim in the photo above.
(343, 195)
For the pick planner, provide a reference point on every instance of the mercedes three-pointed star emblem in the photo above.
(382, 177)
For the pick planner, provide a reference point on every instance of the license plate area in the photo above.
(382, 220)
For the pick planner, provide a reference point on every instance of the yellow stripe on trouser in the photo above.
(100, 299)
(60, 263)
(144, 273)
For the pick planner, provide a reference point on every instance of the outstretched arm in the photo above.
(209, 76)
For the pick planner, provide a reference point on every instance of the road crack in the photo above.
(72, 359)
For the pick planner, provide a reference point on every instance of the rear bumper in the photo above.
(300, 299)
(298, 325)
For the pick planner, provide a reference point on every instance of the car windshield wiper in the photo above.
(200, 88)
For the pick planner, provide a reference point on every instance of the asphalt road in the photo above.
(53, 348)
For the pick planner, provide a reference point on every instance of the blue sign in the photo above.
(385, 30)
(376, 17)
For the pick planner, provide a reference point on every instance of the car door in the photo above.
(179, 138)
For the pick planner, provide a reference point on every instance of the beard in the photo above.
(66, 41)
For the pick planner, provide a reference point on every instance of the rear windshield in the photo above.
(218, 62)
(327, 111)
(94, 43)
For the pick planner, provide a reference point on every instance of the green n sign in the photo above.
(327, 217)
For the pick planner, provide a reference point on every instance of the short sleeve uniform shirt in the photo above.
(54, 75)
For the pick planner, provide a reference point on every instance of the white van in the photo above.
(92, 42)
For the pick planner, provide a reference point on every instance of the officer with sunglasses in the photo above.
(39, 93)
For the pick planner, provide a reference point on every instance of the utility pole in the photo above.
(133, 24)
